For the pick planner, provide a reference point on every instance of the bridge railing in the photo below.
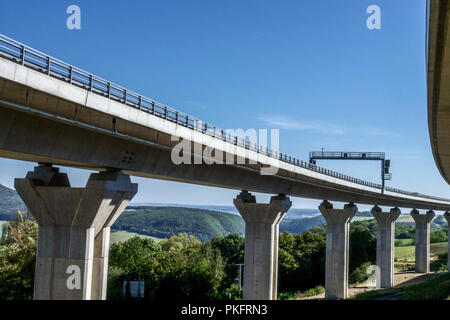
(346, 155)
(36, 60)
(415, 194)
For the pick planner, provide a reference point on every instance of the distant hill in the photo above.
(293, 213)
(163, 222)
(439, 221)
(407, 221)
(202, 221)
(9, 203)
(297, 226)
(365, 214)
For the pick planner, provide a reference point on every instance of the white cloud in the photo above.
(289, 124)
(378, 132)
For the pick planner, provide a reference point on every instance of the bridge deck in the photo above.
(71, 100)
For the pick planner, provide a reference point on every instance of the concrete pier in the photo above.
(261, 244)
(337, 249)
(385, 245)
(73, 240)
(422, 240)
(447, 217)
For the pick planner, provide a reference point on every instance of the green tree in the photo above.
(182, 241)
(133, 260)
(18, 257)
(134, 253)
(438, 235)
(363, 246)
(178, 268)
(301, 260)
(231, 249)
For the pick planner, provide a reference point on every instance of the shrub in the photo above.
(363, 248)
(442, 255)
(230, 293)
(438, 235)
(405, 242)
(301, 260)
(313, 291)
(360, 274)
(181, 268)
(288, 295)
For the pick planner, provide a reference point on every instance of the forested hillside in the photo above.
(163, 222)
(297, 226)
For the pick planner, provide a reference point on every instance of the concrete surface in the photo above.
(261, 244)
(337, 249)
(422, 240)
(385, 244)
(73, 230)
(439, 85)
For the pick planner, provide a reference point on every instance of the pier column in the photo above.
(422, 239)
(122, 191)
(71, 222)
(447, 217)
(337, 248)
(385, 244)
(261, 244)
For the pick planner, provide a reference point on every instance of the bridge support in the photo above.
(261, 244)
(447, 217)
(422, 240)
(73, 240)
(385, 245)
(337, 248)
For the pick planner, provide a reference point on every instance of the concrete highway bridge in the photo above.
(55, 114)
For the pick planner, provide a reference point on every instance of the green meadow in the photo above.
(121, 236)
(409, 251)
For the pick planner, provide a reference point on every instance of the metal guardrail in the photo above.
(36, 60)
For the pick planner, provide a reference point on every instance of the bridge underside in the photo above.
(439, 85)
(24, 135)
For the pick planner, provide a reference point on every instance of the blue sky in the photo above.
(310, 68)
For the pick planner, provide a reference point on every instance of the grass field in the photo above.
(121, 236)
(409, 252)
(436, 288)
(405, 242)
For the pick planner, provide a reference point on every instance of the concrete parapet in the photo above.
(261, 244)
(422, 239)
(337, 248)
(385, 244)
(73, 240)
